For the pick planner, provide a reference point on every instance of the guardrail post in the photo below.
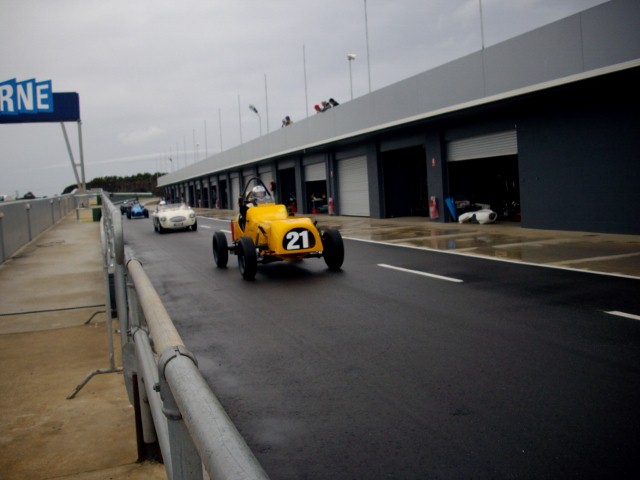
(155, 429)
(185, 461)
(2, 253)
(135, 321)
(28, 210)
(146, 438)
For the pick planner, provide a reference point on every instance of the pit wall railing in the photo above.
(23, 220)
(175, 409)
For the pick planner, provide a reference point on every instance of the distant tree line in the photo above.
(142, 182)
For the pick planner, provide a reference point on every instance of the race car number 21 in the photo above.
(298, 239)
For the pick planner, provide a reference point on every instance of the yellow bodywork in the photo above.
(277, 234)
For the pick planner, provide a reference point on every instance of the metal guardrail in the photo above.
(175, 407)
(23, 220)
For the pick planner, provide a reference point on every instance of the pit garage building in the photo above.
(544, 128)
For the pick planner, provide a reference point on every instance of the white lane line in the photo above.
(623, 314)
(464, 253)
(417, 272)
(206, 226)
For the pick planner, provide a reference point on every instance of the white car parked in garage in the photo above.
(173, 216)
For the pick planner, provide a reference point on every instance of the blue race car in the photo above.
(137, 211)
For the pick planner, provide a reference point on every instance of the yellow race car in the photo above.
(265, 232)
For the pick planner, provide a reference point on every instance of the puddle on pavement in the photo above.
(455, 240)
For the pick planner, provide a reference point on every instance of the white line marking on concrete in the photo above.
(424, 274)
(596, 259)
(623, 314)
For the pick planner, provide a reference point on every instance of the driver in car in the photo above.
(257, 196)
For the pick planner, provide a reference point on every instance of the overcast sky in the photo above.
(152, 74)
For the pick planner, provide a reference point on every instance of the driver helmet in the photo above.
(258, 195)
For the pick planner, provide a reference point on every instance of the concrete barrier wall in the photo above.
(23, 220)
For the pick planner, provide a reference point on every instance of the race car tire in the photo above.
(161, 229)
(146, 214)
(333, 249)
(155, 227)
(247, 258)
(194, 227)
(129, 214)
(220, 249)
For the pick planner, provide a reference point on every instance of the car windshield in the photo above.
(256, 193)
(172, 206)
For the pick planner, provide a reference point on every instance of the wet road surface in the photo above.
(509, 371)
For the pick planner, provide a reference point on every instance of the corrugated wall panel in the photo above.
(353, 187)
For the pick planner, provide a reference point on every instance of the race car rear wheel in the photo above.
(220, 249)
(333, 252)
(247, 258)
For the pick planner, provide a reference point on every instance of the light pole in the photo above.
(255, 110)
(366, 30)
(350, 57)
(481, 24)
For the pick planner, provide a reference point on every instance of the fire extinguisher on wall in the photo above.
(330, 204)
(433, 208)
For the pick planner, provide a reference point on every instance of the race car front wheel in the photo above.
(220, 249)
(247, 258)
(333, 249)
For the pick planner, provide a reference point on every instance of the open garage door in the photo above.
(484, 146)
(405, 182)
(315, 172)
(483, 171)
(353, 187)
(315, 179)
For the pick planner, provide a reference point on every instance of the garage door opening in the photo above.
(315, 186)
(487, 181)
(316, 196)
(287, 187)
(223, 196)
(405, 182)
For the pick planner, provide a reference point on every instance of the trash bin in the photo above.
(97, 213)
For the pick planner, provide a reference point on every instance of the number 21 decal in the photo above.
(298, 238)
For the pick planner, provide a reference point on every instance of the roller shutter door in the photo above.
(353, 187)
(485, 146)
(235, 192)
(315, 172)
(266, 178)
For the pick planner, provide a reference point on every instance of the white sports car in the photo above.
(174, 216)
